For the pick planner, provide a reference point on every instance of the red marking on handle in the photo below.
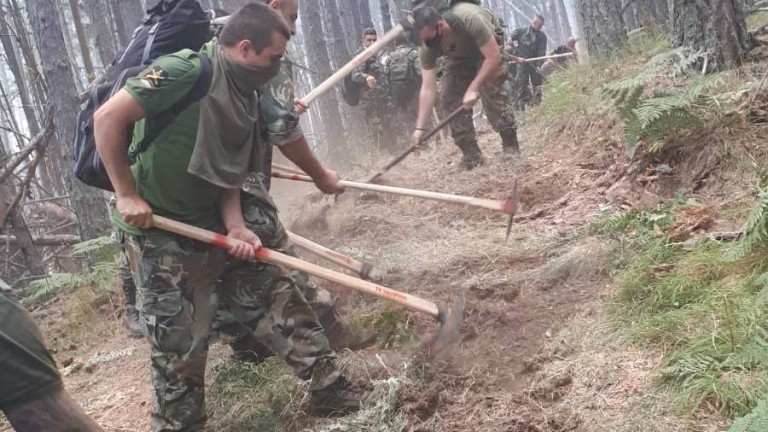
(262, 253)
(219, 240)
(391, 293)
(509, 207)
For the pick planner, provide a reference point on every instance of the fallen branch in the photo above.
(46, 240)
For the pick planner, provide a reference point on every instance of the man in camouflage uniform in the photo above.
(469, 36)
(404, 78)
(371, 78)
(181, 282)
(279, 122)
(531, 42)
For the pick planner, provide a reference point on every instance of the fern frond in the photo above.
(93, 245)
(755, 421)
(756, 228)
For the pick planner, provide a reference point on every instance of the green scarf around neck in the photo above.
(227, 144)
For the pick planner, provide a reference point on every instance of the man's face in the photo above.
(289, 9)
(369, 40)
(428, 34)
(537, 24)
(269, 56)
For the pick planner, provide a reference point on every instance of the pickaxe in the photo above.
(399, 158)
(509, 206)
(364, 269)
(450, 320)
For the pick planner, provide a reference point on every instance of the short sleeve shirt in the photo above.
(160, 171)
(472, 26)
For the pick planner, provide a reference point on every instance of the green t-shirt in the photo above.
(472, 26)
(161, 170)
(27, 370)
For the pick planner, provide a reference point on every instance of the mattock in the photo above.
(450, 320)
(509, 206)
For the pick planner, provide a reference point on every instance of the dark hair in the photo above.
(426, 16)
(255, 22)
(369, 31)
(539, 16)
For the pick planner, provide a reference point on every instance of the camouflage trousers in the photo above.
(261, 217)
(528, 83)
(181, 285)
(496, 102)
(403, 121)
(378, 123)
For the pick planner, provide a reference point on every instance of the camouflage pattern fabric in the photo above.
(404, 77)
(496, 102)
(181, 285)
(375, 102)
(528, 83)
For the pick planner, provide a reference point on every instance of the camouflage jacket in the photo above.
(530, 43)
(374, 67)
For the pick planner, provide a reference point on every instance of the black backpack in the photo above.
(350, 91)
(440, 5)
(169, 26)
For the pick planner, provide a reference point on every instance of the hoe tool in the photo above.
(399, 158)
(509, 206)
(450, 320)
(364, 269)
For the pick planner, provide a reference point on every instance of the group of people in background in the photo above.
(390, 81)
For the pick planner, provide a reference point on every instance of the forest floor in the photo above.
(541, 348)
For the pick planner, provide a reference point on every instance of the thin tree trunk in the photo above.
(317, 52)
(88, 203)
(21, 81)
(7, 111)
(353, 25)
(562, 14)
(386, 15)
(716, 27)
(603, 26)
(103, 37)
(35, 78)
(365, 13)
(85, 50)
(117, 20)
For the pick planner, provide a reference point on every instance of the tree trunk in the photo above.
(349, 10)
(7, 111)
(21, 80)
(365, 13)
(386, 15)
(46, 240)
(558, 37)
(399, 9)
(88, 203)
(603, 27)
(317, 53)
(716, 27)
(103, 37)
(35, 78)
(562, 14)
(117, 21)
(85, 50)
(334, 34)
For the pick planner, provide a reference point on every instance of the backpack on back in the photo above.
(440, 5)
(403, 78)
(350, 91)
(169, 26)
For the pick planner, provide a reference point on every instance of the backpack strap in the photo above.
(158, 123)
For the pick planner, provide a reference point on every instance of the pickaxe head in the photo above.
(510, 206)
(450, 321)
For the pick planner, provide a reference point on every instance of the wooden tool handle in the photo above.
(554, 56)
(329, 254)
(399, 158)
(503, 206)
(270, 256)
(353, 64)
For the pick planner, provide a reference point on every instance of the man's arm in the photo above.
(489, 68)
(427, 99)
(299, 153)
(232, 215)
(109, 124)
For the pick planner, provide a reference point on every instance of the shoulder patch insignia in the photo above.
(153, 78)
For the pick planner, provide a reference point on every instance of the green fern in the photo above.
(755, 421)
(96, 245)
(649, 119)
(756, 229)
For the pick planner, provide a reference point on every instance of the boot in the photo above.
(246, 348)
(341, 336)
(338, 399)
(509, 144)
(131, 322)
(472, 156)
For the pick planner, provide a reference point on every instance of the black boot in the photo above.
(472, 156)
(509, 143)
(131, 322)
(246, 348)
(338, 399)
(340, 335)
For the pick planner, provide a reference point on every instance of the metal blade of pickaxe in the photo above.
(449, 320)
(399, 158)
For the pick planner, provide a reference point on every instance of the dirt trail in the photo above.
(520, 294)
